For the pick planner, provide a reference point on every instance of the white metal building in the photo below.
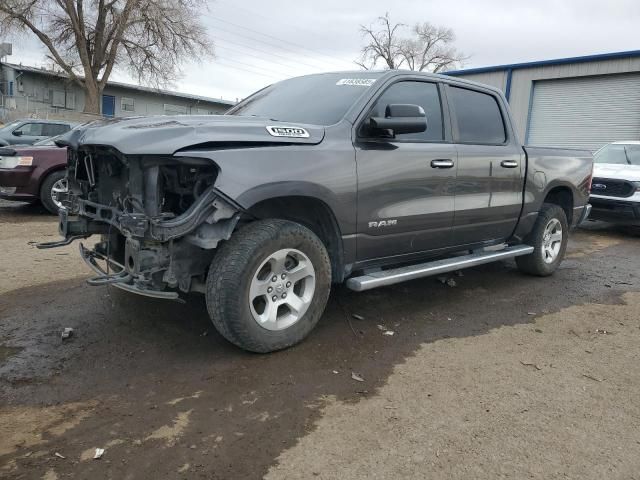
(581, 102)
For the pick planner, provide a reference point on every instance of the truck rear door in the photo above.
(491, 166)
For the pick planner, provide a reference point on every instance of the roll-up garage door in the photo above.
(585, 112)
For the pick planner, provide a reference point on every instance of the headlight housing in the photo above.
(13, 162)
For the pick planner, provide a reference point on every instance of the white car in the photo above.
(615, 190)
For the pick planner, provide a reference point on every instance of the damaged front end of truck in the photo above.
(160, 218)
(147, 186)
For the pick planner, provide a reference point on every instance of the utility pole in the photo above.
(5, 50)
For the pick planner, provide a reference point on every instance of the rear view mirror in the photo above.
(401, 118)
(17, 133)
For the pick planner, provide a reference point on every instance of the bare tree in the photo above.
(431, 49)
(428, 48)
(383, 44)
(89, 38)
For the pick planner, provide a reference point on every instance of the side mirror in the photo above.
(401, 118)
(17, 133)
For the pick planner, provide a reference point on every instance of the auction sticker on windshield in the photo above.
(356, 82)
(295, 132)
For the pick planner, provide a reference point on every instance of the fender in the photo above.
(249, 176)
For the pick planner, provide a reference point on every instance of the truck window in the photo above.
(417, 93)
(53, 129)
(31, 129)
(619, 154)
(478, 117)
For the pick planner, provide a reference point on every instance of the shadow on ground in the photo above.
(146, 362)
(24, 212)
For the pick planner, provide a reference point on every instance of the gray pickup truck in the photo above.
(368, 178)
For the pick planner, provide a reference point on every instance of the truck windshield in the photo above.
(618, 153)
(320, 99)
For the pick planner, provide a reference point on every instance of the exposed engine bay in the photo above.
(160, 218)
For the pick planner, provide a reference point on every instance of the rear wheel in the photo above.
(54, 184)
(268, 285)
(549, 239)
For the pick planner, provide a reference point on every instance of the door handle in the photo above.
(508, 164)
(441, 163)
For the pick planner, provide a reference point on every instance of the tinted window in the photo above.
(53, 129)
(478, 116)
(417, 93)
(622, 154)
(31, 129)
(320, 99)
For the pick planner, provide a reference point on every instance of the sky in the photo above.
(259, 42)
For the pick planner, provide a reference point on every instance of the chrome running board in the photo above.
(382, 278)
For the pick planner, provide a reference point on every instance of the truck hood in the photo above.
(165, 135)
(617, 171)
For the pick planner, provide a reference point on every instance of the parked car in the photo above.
(28, 131)
(615, 193)
(368, 178)
(31, 173)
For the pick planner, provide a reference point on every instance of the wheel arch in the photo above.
(311, 212)
(561, 195)
(49, 171)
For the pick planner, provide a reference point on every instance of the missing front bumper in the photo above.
(118, 277)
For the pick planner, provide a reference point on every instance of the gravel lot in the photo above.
(501, 376)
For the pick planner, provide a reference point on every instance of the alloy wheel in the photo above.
(282, 289)
(61, 186)
(551, 240)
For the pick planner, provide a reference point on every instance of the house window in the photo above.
(70, 101)
(58, 98)
(128, 104)
(174, 109)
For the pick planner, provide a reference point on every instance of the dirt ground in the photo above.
(500, 376)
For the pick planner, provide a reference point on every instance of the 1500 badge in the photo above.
(294, 132)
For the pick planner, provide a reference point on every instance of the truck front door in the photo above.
(491, 166)
(405, 183)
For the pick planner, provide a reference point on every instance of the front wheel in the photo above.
(268, 285)
(549, 239)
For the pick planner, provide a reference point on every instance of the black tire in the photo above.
(534, 263)
(233, 269)
(45, 190)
